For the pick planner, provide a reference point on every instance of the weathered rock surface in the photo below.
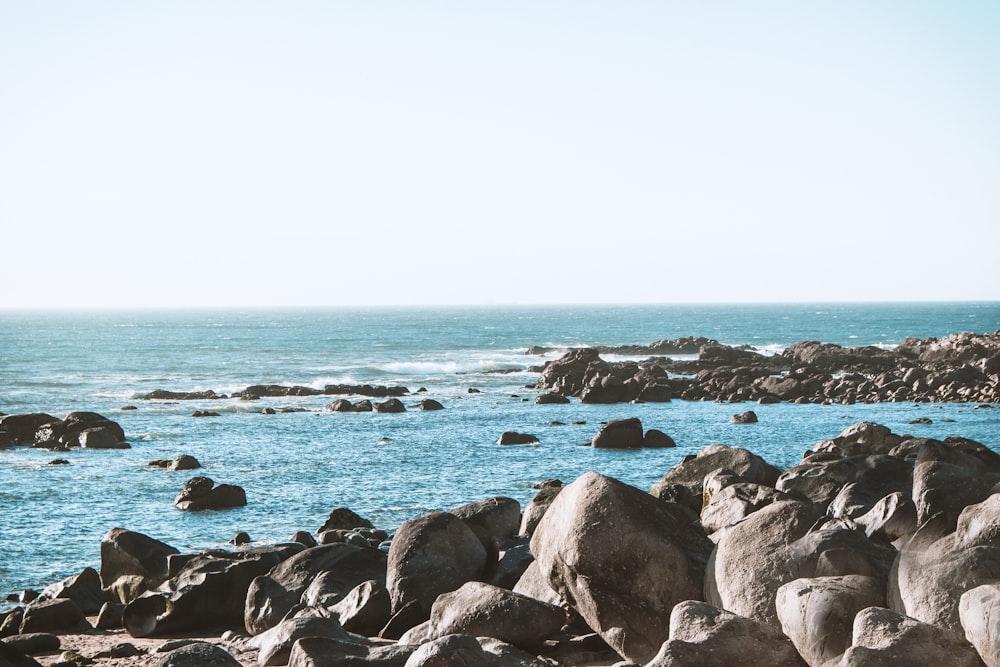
(979, 612)
(622, 559)
(132, 563)
(884, 638)
(707, 636)
(430, 555)
(939, 564)
(482, 610)
(271, 597)
(208, 591)
(818, 614)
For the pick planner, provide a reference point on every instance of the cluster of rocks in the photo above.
(87, 430)
(390, 406)
(258, 391)
(876, 549)
(962, 367)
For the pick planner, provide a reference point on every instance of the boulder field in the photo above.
(875, 549)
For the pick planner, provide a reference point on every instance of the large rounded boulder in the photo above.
(432, 554)
(622, 559)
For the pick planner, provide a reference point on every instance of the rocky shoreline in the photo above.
(877, 548)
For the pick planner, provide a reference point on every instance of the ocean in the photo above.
(296, 466)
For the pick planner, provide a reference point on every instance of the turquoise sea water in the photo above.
(297, 466)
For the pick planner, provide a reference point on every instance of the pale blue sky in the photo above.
(347, 153)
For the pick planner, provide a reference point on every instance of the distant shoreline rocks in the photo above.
(959, 368)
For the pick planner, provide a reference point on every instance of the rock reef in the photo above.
(961, 367)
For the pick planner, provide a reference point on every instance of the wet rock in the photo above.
(620, 434)
(749, 417)
(515, 438)
(200, 493)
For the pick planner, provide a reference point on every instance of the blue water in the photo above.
(298, 466)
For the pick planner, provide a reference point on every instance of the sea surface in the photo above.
(298, 466)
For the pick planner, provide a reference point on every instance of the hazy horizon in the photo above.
(193, 155)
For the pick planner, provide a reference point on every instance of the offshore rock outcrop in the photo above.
(962, 367)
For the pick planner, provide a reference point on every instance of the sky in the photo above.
(257, 154)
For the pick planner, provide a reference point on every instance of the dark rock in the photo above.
(127, 554)
(208, 592)
(430, 404)
(515, 438)
(492, 519)
(198, 654)
(340, 405)
(52, 616)
(110, 616)
(304, 538)
(393, 405)
(551, 398)
(13, 657)
(271, 597)
(20, 429)
(655, 438)
(620, 434)
(749, 417)
(164, 395)
(466, 651)
(344, 518)
(200, 493)
(34, 643)
(84, 589)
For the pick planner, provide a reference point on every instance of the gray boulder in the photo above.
(622, 559)
(466, 651)
(938, 565)
(735, 502)
(365, 609)
(198, 654)
(275, 645)
(60, 615)
(692, 470)
(496, 518)
(707, 636)
(979, 611)
(536, 508)
(482, 610)
(818, 614)
(778, 544)
(84, 589)
(884, 638)
(430, 555)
